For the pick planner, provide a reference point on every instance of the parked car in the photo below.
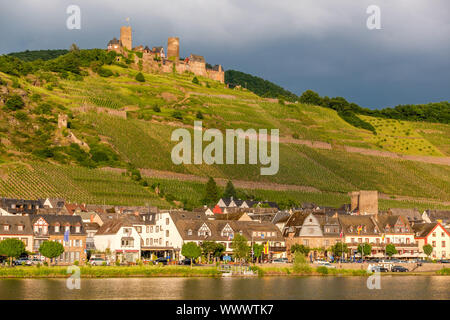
(162, 260)
(36, 260)
(327, 265)
(185, 262)
(444, 261)
(98, 262)
(399, 269)
(379, 269)
(22, 261)
(280, 260)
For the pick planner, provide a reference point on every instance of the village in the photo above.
(127, 235)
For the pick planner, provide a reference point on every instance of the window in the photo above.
(442, 234)
(443, 244)
(139, 229)
(6, 227)
(305, 242)
(360, 240)
(157, 229)
(151, 241)
(77, 243)
(77, 229)
(67, 228)
(353, 240)
(25, 241)
(147, 241)
(20, 227)
(434, 244)
(57, 228)
(167, 233)
(190, 232)
(367, 240)
(148, 229)
(151, 229)
(167, 243)
(407, 240)
(167, 221)
(434, 234)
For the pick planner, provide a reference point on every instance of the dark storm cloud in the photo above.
(320, 45)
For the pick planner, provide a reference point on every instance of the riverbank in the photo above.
(184, 271)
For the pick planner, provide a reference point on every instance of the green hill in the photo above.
(115, 121)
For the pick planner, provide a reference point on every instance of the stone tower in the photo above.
(125, 37)
(173, 48)
(366, 202)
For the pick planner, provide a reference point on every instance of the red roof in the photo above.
(217, 209)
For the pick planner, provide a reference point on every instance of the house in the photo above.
(53, 203)
(73, 208)
(12, 206)
(17, 227)
(313, 230)
(280, 219)
(119, 239)
(413, 215)
(435, 235)
(398, 231)
(65, 229)
(173, 229)
(441, 216)
(359, 229)
(115, 45)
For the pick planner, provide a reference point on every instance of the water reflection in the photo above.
(392, 287)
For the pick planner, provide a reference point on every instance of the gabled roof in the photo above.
(62, 220)
(115, 41)
(422, 230)
(13, 222)
(113, 226)
(411, 214)
(351, 223)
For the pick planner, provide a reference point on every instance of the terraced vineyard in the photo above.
(165, 102)
(77, 184)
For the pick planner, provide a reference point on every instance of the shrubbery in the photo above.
(140, 77)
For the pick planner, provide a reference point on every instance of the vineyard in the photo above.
(75, 184)
(49, 166)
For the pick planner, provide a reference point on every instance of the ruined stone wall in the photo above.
(216, 75)
(126, 37)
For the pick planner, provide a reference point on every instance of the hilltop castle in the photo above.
(156, 59)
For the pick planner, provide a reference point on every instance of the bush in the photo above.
(177, 115)
(21, 116)
(195, 81)
(301, 263)
(156, 109)
(104, 263)
(103, 72)
(117, 262)
(15, 102)
(76, 262)
(322, 270)
(140, 77)
(199, 115)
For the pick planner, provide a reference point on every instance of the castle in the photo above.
(158, 60)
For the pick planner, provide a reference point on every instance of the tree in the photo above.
(12, 248)
(51, 249)
(300, 248)
(257, 251)
(339, 249)
(230, 191)
(195, 81)
(390, 250)
(208, 248)
(191, 251)
(427, 249)
(74, 47)
(219, 250)
(310, 97)
(240, 246)
(140, 77)
(365, 249)
(211, 192)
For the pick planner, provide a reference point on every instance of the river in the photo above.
(255, 288)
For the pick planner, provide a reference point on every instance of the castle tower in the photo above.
(125, 37)
(366, 202)
(173, 48)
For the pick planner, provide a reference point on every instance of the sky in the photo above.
(322, 45)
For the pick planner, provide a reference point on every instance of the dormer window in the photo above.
(6, 227)
(77, 229)
(20, 227)
(67, 228)
(190, 232)
(57, 227)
